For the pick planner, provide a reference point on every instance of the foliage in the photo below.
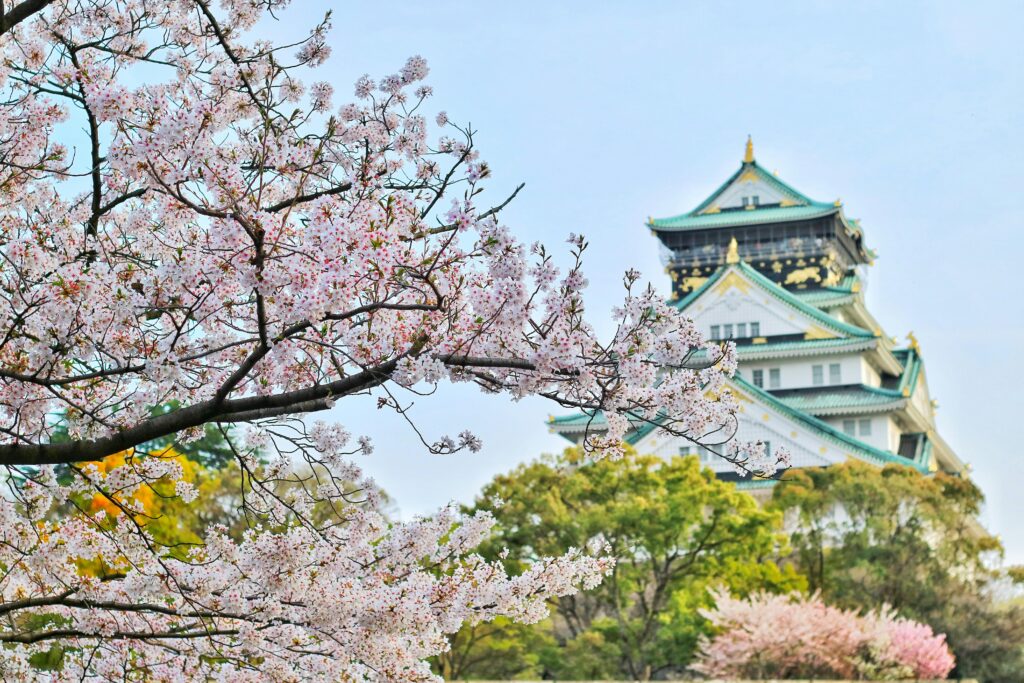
(192, 239)
(986, 633)
(777, 636)
(868, 537)
(498, 650)
(674, 529)
(897, 533)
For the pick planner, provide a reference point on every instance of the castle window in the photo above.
(755, 329)
(850, 427)
(757, 200)
(746, 201)
(817, 375)
(865, 427)
(727, 331)
(835, 373)
(741, 330)
(715, 332)
(759, 378)
(774, 378)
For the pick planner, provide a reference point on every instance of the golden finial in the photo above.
(913, 342)
(733, 255)
(748, 158)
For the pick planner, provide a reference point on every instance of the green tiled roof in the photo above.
(798, 207)
(803, 346)
(912, 363)
(771, 179)
(863, 450)
(801, 207)
(580, 421)
(577, 419)
(825, 297)
(837, 400)
(785, 296)
(806, 345)
(780, 293)
(866, 450)
(739, 217)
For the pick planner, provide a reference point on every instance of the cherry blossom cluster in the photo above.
(364, 599)
(186, 224)
(795, 636)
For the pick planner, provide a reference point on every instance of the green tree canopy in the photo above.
(867, 537)
(674, 528)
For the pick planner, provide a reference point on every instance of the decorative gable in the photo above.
(738, 294)
(751, 189)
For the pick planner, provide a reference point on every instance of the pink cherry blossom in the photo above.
(215, 241)
(795, 636)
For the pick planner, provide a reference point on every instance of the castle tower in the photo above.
(788, 237)
(781, 276)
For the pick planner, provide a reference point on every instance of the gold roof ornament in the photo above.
(733, 255)
(748, 157)
(913, 342)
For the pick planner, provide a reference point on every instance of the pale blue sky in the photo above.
(609, 113)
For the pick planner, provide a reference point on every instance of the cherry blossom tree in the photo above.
(191, 239)
(797, 636)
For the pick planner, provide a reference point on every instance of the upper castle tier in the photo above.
(793, 240)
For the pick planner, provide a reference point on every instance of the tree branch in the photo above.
(20, 13)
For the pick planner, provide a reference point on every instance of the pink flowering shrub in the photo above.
(797, 636)
(909, 648)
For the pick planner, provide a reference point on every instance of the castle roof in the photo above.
(831, 296)
(781, 294)
(579, 422)
(752, 196)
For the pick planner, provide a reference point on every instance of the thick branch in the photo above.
(60, 634)
(303, 198)
(20, 13)
(192, 416)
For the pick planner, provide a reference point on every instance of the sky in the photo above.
(909, 112)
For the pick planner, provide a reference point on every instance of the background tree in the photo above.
(499, 650)
(796, 636)
(186, 224)
(868, 537)
(674, 529)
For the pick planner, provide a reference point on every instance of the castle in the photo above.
(783, 276)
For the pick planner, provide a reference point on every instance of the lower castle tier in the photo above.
(781, 275)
